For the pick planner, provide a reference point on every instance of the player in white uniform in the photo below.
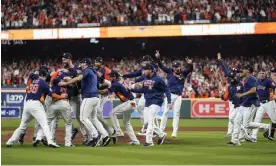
(89, 92)
(33, 108)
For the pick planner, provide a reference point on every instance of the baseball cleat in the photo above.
(89, 143)
(96, 140)
(74, 133)
(161, 140)
(134, 143)
(148, 144)
(233, 144)
(37, 142)
(242, 140)
(9, 146)
(53, 145)
(106, 140)
(250, 140)
(34, 138)
(45, 143)
(114, 140)
(21, 138)
(70, 145)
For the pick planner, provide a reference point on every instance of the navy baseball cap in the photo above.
(148, 67)
(273, 70)
(249, 68)
(232, 75)
(44, 67)
(176, 64)
(67, 56)
(42, 72)
(114, 74)
(147, 58)
(88, 61)
(99, 59)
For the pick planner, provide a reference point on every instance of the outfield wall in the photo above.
(12, 104)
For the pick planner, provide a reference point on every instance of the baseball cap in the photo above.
(248, 67)
(147, 58)
(67, 56)
(176, 64)
(273, 70)
(232, 75)
(44, 67)
(42, 73)
(148, 67)
(99, 59)
(114, 74)
(88, 61)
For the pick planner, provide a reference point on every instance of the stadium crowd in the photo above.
(68, 13)
(207, 78)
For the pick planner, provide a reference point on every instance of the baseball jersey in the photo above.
(121, 92)
(176, 81)
(104, 74)
(38, 90)
(154, 88)
(89, 83)
(264, 87)
(250, 82)
(232, 90)
(31, 77)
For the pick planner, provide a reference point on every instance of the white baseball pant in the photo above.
(270, 109)
(149, 118)
(75, 105)
(62, 108)
(89, 110)
(32, 109)
(232, 114)
(107, 127)
(125, 109)
(140, 109)
(176, 101)
(245, 116)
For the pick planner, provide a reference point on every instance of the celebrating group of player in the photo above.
(84, 90)
(249, 99)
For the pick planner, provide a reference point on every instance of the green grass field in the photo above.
(189, 148)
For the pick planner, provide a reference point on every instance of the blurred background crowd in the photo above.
(70, 13)
(124, 55)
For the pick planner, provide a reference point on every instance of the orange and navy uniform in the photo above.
(37, 90)
(57, 91)
(231, 93)
(121, 92)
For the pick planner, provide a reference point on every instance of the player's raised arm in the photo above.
(160, 64)
(223, 66)
(189, 67)
(133, 74)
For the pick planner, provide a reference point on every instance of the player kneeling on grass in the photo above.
(126, 108)
(153, 88)
(33, 108)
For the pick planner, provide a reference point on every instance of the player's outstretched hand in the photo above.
(157, 54)
(189, 61)
(61, 83)
(239, 95)
(219, 56)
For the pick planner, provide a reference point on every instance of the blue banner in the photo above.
(10, 112)
(12, 99)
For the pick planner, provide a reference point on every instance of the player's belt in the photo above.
(175, 93)
(264, 101)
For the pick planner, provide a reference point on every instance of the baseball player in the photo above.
(176, 78)
(235, 87)
(103, 74)
(264, 87)
(33, 108)
(147, 59)
(153, 88)
(60, 107)
(37, 127)
(89, 103)
(126, 108)
(248, 108)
